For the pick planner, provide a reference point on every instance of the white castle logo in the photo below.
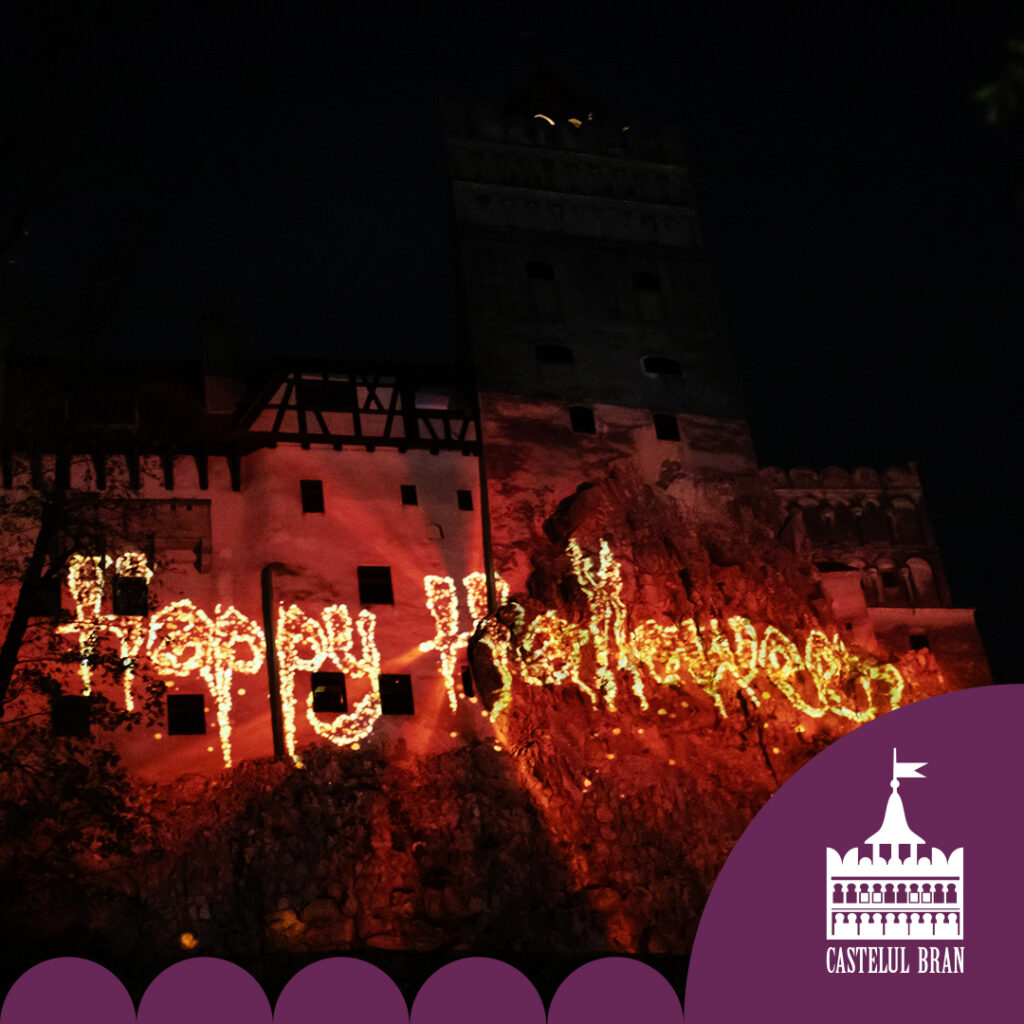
(895, 898)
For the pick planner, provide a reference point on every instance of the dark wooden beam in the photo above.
(203, 467)
(167, 464)
(99, 465)
(235, 469)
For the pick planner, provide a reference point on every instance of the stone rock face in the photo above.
(599, 819)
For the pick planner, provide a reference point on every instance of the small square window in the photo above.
(312, 495)
(582, 419)
(71, 716)
(409, 496)
(467, 681)
(666, 427)
(186, 714)
(890, 578)
(918, 641)
(329, 693)
(465, 500)
(131, 595)
(375, 584)
(396, 695)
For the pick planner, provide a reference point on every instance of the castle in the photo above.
(539, 630)
(327, 537)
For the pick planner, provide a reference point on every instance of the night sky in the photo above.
(281, 168)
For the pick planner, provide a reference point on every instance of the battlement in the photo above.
(863, 480)
(554, 130)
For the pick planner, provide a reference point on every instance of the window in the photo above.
(375, 584)
(467, 680)
(186, 714)
(662, 366)
(70, 716)
(666, 427)
(582, 419)
(329, 693)
(553, 354)
(396, 695)
(465, 500)
(918, 641)
(312, 495)
(131, 595)
(409, 496)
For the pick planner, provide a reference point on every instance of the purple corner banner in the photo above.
(762, 951)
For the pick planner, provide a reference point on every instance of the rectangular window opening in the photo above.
(465, 500)
(312, 495)
(666, 427)
(409, 496)
(582, 419)
(396, 695)
(375, 584)
(329, 693)
(186, 714)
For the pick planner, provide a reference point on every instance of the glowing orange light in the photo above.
(596, 655)
(724, 658)
(443, 605)
(184, 640)
(304, 645)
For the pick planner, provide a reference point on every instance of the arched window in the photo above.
(815, 524)
(923, 583)
(874, 524)
(906, 521)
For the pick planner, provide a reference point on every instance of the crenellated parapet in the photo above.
(871, 522)
(557, 125)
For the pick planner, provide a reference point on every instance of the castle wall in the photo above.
(211, 548)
